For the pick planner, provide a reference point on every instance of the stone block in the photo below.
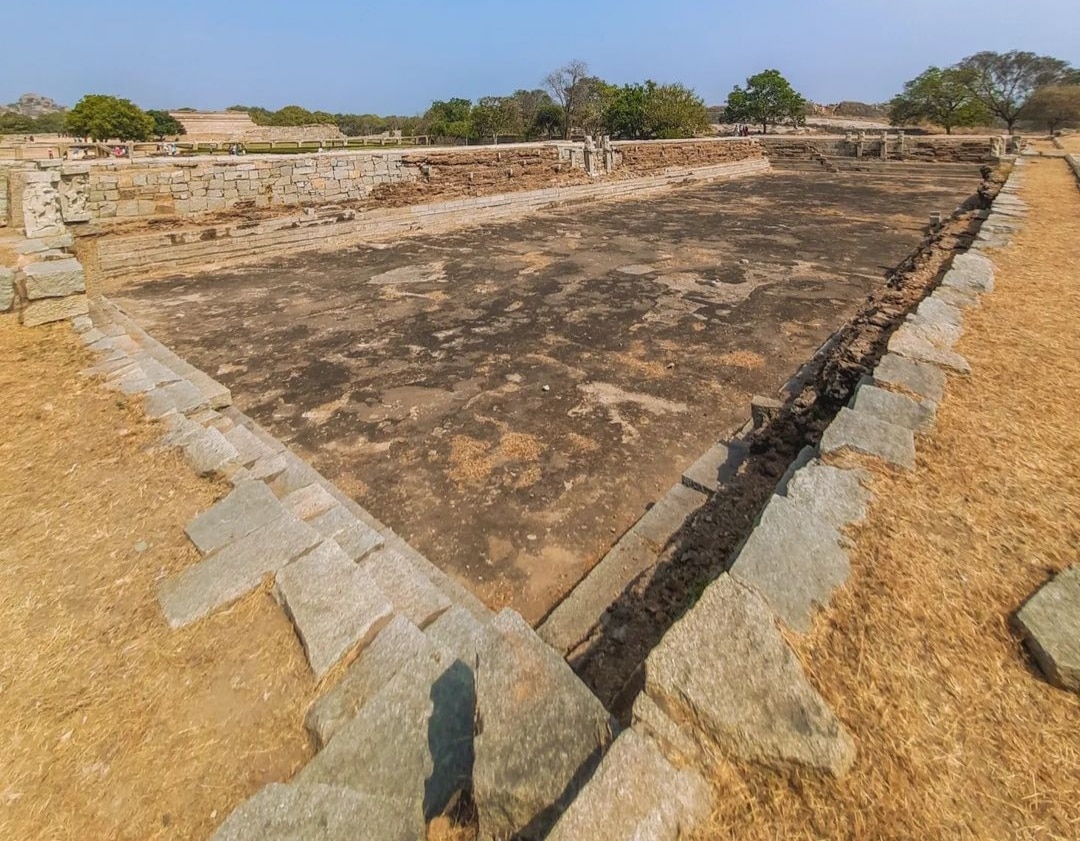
(249, 506)
(334, 606)
(310, 501)
(357, 538)
(248, 446)
(861, 433)
(636, 795)
(7, 288)
(936, 311)
(282, 812)
(837, 497)
(716, 467)
(805, 456)
(410, 591)
(540, 732)
(209, 453)
(919, 378)
(970, 270)
(725, 669)
(234, 570)
(1050, 624)
(48, 310)
(912, 344)
(794, 559)
(668, 514)
(939, 334)
(413, 739)
(37, 245)
(892, 407)
(458, 632)
(395, 647)
(180, 396)
(678, 742)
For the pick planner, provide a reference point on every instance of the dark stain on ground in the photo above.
(511, 397)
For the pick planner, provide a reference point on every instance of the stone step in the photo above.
(397, 646)
(412, 594)
(282, 812)
(356, 538)
(413, 739)
(334, 606)
(725, 669)
(458, 632)
(636, 795)
(540, 732)
(249, 506)
(248, 446)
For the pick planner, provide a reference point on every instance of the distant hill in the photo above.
(33, 105)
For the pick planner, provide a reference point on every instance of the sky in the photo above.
(396, 57)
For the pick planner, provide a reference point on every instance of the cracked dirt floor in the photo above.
(114, 725)
(958, 736)
(511, 398)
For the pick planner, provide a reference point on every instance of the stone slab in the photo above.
(794, 559)
(892, 407)
(234, 570)
(47, 310)
(282, 812)
(310, 502)
(248, 447)
(1050, 624)
(540, 732)
(805, 456)
(861, 433)
(934, 310)
(678, 742)
(36, 245)
(180, 396)
(833, 495)
(250, 505)
(412, 594)
(53, 279)
(7, 288)
(395, 647)
(907, 342)
(334, 606)
(939, 334)
(356, 538)
(412, 740)
(725, 668)
(716, 467)
(664, 519)
(918, 378)
(636, 795)
(209, 453)
(458, 632)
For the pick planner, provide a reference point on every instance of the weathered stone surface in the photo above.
(321, 813)
(794, 559)
(209, 453)
(939, 334)
(48, 310)
(540, 732)
(132, 381)
(7, 288)
(396, 647)
(668, 514)
(960, 298)
(725, 667)
(715, 468)
(250, 505)
(458, 632)
(248, 447)
(154, 371)
(180, 396)
(334, 605)
(356, 538)
(36, 245)
(861, 433)
(311, 501)
(934, 310)
(805, 456)
(411, 593)
(678, 742)
(970, 270)
(296, 474)
(412, 740)
(235, 570)
(919, 378)
(1050, 623)
(907, 342)
(895, 408)
(53, 279)
(268, 468)
(835, 496)
(636, 795)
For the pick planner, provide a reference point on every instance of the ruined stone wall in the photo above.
(655, 156)
(912, 148)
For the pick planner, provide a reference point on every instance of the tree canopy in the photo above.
(1004, 82)
(108, 118)
(165, 125)
(1054, 107)
(767, 99)
(651, 111)
(943, 97)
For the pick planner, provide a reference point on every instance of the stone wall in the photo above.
(657, 155)
(895, 147)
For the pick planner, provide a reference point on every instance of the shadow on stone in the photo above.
(450, 737)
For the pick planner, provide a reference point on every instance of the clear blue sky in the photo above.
(395, 57)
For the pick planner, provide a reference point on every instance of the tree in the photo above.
(495, 115)
(767, 99)
(449, 118)
(165, 124)
(569, 87)
(527, 105)
(548, 122)
(1004, 82)
(627, 116)
(15, 123)
(1057, 106)
(674, 111)
(942, 97)
(108, 118)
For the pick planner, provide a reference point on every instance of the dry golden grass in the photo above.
(115, 726)
(958, 737)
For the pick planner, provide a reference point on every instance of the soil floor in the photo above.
(116, 726)
(511, 398)
(958, 735)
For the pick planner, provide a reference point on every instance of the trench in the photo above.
(611, 660)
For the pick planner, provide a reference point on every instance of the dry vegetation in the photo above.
(957, 735)
(116, 726)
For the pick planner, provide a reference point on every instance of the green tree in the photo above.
(259, 116)
(528, 105)
(627, 113)
(165, 124)
(495, 115)
(108, 118)
(941, 97)
(53, 123)
(767, 99)
(548, 121)
(1005, 82)
(674, 111)
(1054, 107)
(449, 118)
(13, 123)
(575, 91)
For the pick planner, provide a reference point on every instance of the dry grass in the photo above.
(957, 735)
(116, 726)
